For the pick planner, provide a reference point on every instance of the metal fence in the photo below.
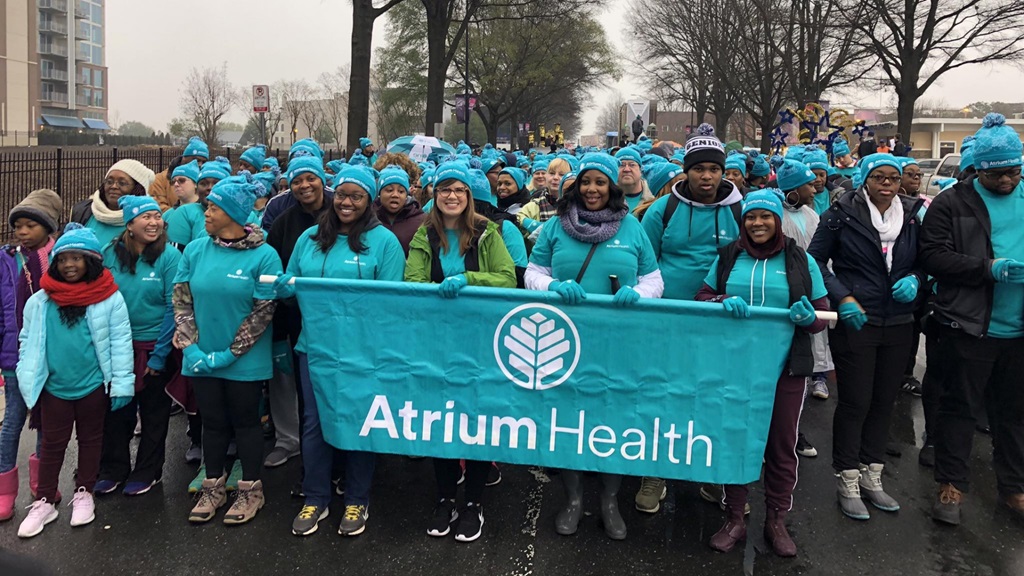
(75, 173)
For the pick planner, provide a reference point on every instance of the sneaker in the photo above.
(912, 385)
(308, 519)
(652, 492)
(493, 475)
(848, 491)
(197, 483)
(947, 507)
(926, 457)
(871, 488)
(194, 454)
(234, 476)
(804, 448)
(83, 507)
(354, 521)
(40, 514)
(471, 523)
(819, 388)
(443, 517)
(106, 486)
(296, 491)
(248, 501)
(715, 494)
(278, 456)
(211, 498)
(138, 488)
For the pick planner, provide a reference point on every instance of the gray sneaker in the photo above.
(308, 519)
(848, 489)
(652, 492)
(871, 488)
(278, 456)
(354, 521)
(819, 388)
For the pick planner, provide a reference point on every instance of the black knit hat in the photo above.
(704, 146)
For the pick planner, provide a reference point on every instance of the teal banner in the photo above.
(666, 388)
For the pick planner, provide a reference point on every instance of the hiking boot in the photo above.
(106, 487)
(805, 448)
(848, 490)
(234, 476)
(715, 494)
(197, 483)
(211, 497)
(1015, 503)
(248, 501)
(819, 388)
(775, 533)
(733, 532)
(471, 523)
(308, 519)
(83, 507)
(442, 518)
(871, 488)
(354, 521)
(947, 506)
(926, 457)
(40, 514)
(493, 475)
(912, 385)
(652, 492)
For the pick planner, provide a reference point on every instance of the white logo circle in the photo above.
(152, 274)
(617, 242)
(238, 272)
(533, 341)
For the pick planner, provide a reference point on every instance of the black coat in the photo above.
(866, 148)
(846, 237)
(956, 248)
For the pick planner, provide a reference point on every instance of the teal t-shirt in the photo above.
(224, 281)
(186, 223)
(633, 201)
(764, 282)
(452, 262)
(1006, 214)
(147, 293)
(627, 254)
(686, 250)
(515, 243)
(105, 233)
(384, 259)
(822, 201)
(71, 357)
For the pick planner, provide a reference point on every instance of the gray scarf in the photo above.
(592, 226)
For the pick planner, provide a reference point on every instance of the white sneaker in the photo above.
(83, 507)
(40, 514)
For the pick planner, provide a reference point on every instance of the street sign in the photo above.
(261, 99)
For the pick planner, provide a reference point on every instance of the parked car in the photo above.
(947, 168)
(928, 165)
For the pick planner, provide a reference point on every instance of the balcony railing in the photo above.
(54, 97)
(57, 5)
(55, 26)
(81, 33)
(81, 100)
(60, 75)
(81, 13)
(54, 50)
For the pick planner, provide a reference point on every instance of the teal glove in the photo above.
(282, 355)
(193, 360)
(118, 402)
(449, 288)
(802, 313)
(571, 292)
(853, 315)
(737, 307)
(905, 289)
(220, 360)
(1008, 271)
(282, 288)
(626, 296)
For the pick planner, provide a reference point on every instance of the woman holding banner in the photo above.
(593, 232)
(348, 242)
(454, 248)
(739, 279)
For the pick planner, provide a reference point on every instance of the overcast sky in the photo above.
(151, 45)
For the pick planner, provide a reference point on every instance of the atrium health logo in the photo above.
(537, 346)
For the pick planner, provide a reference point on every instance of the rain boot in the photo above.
(734, 530)
(614, 525)
(33, 478)
(8, 493)
(568, 519)
(775, 533)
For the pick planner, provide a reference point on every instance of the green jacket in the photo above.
(496, 267)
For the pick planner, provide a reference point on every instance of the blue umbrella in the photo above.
(419, 148)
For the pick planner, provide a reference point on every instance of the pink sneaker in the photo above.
(40, 514)
(83, 507)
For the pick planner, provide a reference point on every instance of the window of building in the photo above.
(97, 55)
(97, 99)
(97, 14)
(97, 78)
(87, 96)
(86, 76)
(46, 66)
(97, 35)
(946, 147)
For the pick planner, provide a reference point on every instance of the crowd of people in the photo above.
(152, 292)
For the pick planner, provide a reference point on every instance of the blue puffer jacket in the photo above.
(111, 335)
(8, 309)
(846, 237)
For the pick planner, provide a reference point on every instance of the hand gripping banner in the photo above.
(666, 388)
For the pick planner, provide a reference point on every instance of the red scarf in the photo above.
(79, 293)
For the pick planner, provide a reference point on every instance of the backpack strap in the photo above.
(670, 210)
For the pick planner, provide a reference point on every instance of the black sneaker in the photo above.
(912, 385)
(804, 448)
(471, 524)
(926, 457)
(296, 491)
(493, 475)
(444, 515)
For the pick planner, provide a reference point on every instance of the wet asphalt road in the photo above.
(150, 534)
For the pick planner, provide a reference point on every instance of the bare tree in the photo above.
(608, 121)
(917, 41)
(206, 96)
(312, 113)
(294, 94)
(333, 88)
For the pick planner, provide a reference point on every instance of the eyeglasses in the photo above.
(124, 184)
(879, 179)
(180, 181)
(999, 174)
(355, 198)
(628, 165)
(459, 192)
(913, 175)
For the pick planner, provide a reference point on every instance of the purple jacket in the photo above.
(8, 309)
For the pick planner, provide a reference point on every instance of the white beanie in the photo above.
(137, 170)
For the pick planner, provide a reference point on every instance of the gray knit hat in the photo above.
(43, 206)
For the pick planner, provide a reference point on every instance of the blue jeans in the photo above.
(318, 456)
(14, 422)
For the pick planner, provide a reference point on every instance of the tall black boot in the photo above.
(614, 525)
(568, 519)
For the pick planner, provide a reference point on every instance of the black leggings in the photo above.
(448, 473)
(229, 405)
